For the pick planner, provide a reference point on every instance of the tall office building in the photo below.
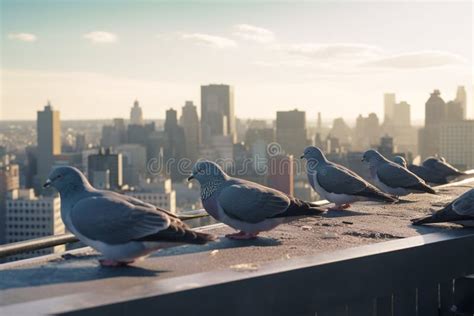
(461, 97)
(402, 114)
(435, 110)
(217, 111)
(189, 121)
(280, 174)
(435, 116)
(104, 169)
(389, 107)
(367, 132)
(136, 114)
(29, 216)
(291, 131)
(49, 141)
(175, 146)
(457, 143)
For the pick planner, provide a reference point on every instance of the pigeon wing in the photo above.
(251, 202)
(464, 205)
(337, 179)
(116, 221)
(396, 176)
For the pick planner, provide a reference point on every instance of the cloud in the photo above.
(422, 59)
(254, 33)
(332, 51)
(23, 37)
(101, 37)
(210, 40)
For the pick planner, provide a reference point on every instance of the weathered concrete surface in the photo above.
(78, 271)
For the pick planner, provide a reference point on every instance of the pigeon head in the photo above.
(431, 162)
(400, 160)
(66, 178)
(207, 171)
(373, 157)
(313, 154)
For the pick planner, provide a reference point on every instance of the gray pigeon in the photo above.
(338, 184)
(393, 178)
(442, 169)
(120, 227)
(459, 211)
(433, 170)
(244, 205)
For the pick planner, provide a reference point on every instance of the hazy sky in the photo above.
(93, 58)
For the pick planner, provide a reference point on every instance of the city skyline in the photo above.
(290, 56)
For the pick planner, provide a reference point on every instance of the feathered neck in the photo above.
(210, 187)
(72, 189)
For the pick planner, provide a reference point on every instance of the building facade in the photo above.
(456, 143)
(29, 216)
(217, 111)
(291, 131)
(49, 142)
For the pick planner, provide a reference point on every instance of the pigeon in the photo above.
(459, 211)
(122, 228)
(244, 205)
(441, 168)
(433, 170)
(393, 178)
(338, 184)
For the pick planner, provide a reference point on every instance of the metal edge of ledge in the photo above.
(410, 260)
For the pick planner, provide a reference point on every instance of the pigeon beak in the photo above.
(302, 156)
(190, 177)
(47, 184)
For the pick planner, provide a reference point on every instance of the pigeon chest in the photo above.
(210, 205)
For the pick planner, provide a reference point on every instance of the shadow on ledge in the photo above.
(45, 275)
(221, 243)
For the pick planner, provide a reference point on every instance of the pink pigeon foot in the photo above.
(113, 263)
(339, 207)
(242, 236)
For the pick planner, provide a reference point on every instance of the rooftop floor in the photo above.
(365, 223)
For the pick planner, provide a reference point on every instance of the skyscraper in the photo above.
(457, 143)
(136, 114)
(291, 131)
(189, 121)
(461, 97)
(217, 111)
(435, 110)
(389, 107)
(49, 141)
(280, 174)
(435, 116)
(175, 146)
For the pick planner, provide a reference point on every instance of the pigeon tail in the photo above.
(424, 220)
(180, 233)
(422, 187)
(378, 195)
(445, 215)
(299, 207)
